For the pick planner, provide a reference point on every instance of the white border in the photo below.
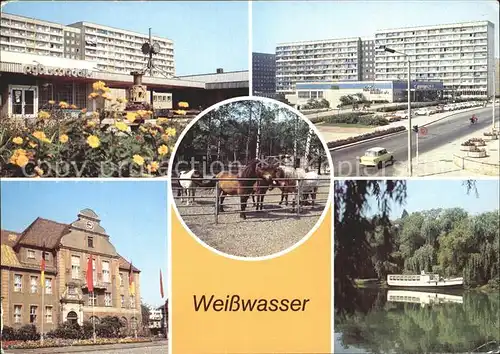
(313, 229)
(250, 49)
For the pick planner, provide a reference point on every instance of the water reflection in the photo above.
(400, 321)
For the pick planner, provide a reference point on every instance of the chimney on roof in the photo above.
(219, 70)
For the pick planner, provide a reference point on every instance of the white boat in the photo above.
(423, 298)
(424, 280)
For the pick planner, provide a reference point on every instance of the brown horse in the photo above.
(242, 184)
(259, 189)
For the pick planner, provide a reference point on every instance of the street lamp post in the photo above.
(390, 50)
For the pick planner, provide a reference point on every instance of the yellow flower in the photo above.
(99, 85)
(63, 104)
(95, 115)
(161, 120)
(91, 124)
(42, 115)
(38, 171)
(106, 96)
(153, 132)
(153, 166)
(93, 141)
(52, 102)
(18, 140)
(41, 136)
(170, 131)
(163, 150)
(19, 158)
(142, 129)
(180, 112)
(121, 126)
(63, 138)
(32, 145)
(131, 117)
(183, 105)
(138, 159)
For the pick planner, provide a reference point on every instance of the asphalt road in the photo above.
(443, 132)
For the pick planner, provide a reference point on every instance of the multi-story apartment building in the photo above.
(119, 51)
(67, 248)
(367, 59)
(113, 50)
(263, 74)
(461, 55)
(322, 60)
(27, 35)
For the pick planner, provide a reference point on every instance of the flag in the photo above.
(90, 274)
(42, 268)
(131, 285)
(161, 285)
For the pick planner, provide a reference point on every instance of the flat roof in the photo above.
(224, 77)
(348, 39)
(444, 25)
(96, 25)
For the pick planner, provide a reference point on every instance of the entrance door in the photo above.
(72, 317)
(23, 101)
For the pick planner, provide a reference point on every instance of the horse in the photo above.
(188, 181)
(261, 187)
(308, 183)
(242, 184)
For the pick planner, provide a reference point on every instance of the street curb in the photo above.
(471, 165)
(391, 134)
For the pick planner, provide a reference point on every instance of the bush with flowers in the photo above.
(58, 342)
(56, 146)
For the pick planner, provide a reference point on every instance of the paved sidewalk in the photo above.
(332, 133)
(439, 162)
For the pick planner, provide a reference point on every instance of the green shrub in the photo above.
(8, 333)
(355, 139)
(364, 118)
(67, 330)
(27, 332)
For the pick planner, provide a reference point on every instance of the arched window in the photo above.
(124, 321)
(133, 323)
(72, 317)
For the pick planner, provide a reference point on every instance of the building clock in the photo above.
(90, 225)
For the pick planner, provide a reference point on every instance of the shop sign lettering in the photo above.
(54, 71)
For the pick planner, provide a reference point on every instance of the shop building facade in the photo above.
(372, 91)
(67, 248)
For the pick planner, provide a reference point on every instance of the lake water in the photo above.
(395, 321)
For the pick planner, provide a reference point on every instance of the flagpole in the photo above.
(93, 315)
(41, 332)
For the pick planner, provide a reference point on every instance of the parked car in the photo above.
(404, 114)
(425, 111)
(376, 156)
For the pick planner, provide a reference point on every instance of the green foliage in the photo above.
(24, 333)
(230, 133)
(316, 104)
(364, 118)
(365, 136)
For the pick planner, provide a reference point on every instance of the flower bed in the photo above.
(85, 147)
(51, 343)
(355, 139)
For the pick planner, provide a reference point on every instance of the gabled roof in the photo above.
(9, 237)
(124, 264)
(8, 257)
(43, 233)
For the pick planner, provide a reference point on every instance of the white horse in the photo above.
(189, 185)
(308, 183)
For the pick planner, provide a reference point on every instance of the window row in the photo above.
(34, 284)
(18, 314)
